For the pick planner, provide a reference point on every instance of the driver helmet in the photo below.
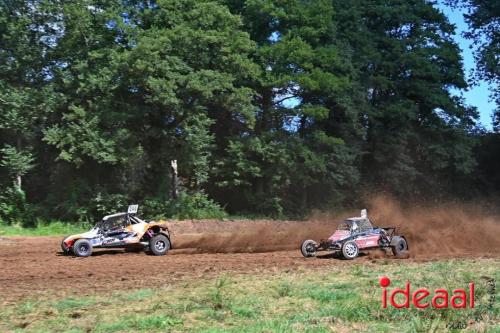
(354, 226)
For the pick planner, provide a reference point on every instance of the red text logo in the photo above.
(422, 298)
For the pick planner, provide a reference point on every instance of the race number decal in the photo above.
(132, 209)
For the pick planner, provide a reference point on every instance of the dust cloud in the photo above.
(449, 230)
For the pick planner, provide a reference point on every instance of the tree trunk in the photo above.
(175, 181)
(265, 122)
(18, 181)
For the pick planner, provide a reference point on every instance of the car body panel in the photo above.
(339, 235)
(369, 240)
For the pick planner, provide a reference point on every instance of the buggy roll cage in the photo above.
(130, 216)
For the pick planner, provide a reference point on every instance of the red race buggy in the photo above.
(356, 234)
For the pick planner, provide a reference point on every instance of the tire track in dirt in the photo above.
(34, 266)
(204, 249)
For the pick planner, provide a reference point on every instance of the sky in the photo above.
(477, 96)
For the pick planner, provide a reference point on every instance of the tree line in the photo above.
(269, 107)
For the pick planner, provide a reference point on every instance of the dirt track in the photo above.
(204, 249)
(34, 265)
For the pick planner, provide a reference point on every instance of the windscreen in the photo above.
(344, 226)
(113, 223)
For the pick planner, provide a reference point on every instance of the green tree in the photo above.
(142, 84)
(18, 163)
(483, 17)
(269, 107)
(302, 150)
(26, 97)
(406, 61)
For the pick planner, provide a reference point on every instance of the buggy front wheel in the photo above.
(350, 250)
(82, 248)
(308, 248)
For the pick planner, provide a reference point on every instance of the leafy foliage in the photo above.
(483, 18)
(271, 108)
(16, 162)
(14, 209)
(195, 205)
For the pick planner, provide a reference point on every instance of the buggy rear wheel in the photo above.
(399, 245)
(159, 245)
(308, 248)
(350, 250)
